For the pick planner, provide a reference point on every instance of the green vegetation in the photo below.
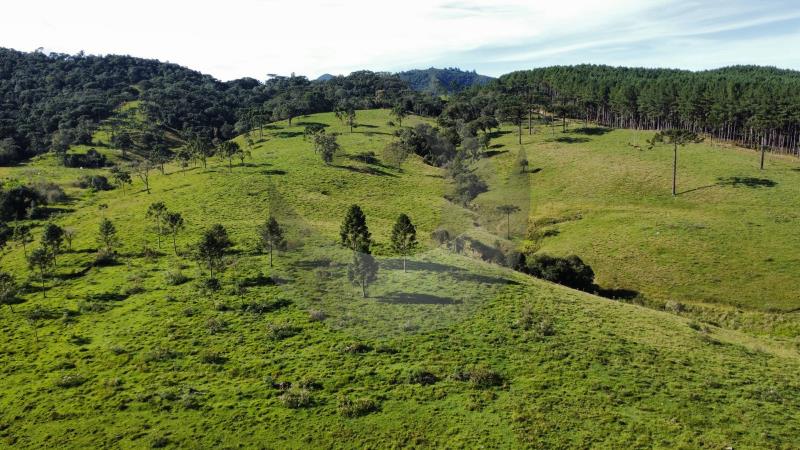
(217, 344)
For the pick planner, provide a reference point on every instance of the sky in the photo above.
(252, 38)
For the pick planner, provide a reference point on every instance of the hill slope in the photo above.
(454, 352)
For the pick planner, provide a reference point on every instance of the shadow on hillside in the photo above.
(364, 125)
(307, 123)
(534, 170)
(484, 279)
(407, 298)
(570, 140)
(498, 133)
(273, 172)
(796, 169)
(428, 266)
(617, 294)
(367, 170)
(287, 134)
(371, 133)
(750, 182)
(592, 131)
(312, 263)
(492, 153)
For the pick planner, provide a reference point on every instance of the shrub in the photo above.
(94, 183)
(479, 376)
(70, 380)
(570, 271)
(160, 354)
(356, 407)
(280, 331)
(296, 398)
(216, 325)
(212, 357)
(104, 257)
(356, 347)
(17, 201)
(175, 277)
(316, 315)
(50, 192)
(92, 159)
(421, 376)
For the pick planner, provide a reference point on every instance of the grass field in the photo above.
(455, 352)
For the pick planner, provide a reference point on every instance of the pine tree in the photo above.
(354, 232)
(363, 271)
(675, 137)
(107, 236)
(404, 237)
(52, 240)
(271, 236)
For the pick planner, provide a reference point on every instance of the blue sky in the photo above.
(254, 37)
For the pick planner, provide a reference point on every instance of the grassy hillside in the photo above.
(454, 352)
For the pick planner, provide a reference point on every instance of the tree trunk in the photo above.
(762, 154)
(508, 226)
(364, 289)
(174, 244)
(270, 256)
(404, 264)
(675, 170)
(520, 132)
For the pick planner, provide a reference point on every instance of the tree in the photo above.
(41, 259)
(107, 236)
(9, 290)
(512, 110)
(69, 236)
(327, 145)
(271, 237)
(201, 149)
(211, 248)
(228, 150)
(395, 154)
(121, 177)
(404, 237)
(22, 236)
(508, 210)
(142, 170)
(441, 236)
(399, 112)
(346, 113)
(157, 211)
(53, 239)
(354, 233)
(363, 271)
(312, 129)
(174, 223)
(522, 160)
(675, 137)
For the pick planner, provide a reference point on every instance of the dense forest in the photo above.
(443, 81)
(51, 101)
(751, 106)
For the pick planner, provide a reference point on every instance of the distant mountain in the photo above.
(442, 81)
(324, 77)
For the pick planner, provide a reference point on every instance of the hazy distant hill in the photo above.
(442, 81)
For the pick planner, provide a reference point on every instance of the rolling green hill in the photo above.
(453, 352)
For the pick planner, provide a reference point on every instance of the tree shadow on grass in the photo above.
(498, 133)
(456, 272)
(535, 170)
(751, 182)
(617, 294)
(287, 134)
(306, 123)
(408, 298)
(273, 172)
(491, 153)
(367, 170)
(570, 140)
(592, 131)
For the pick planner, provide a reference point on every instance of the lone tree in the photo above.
(40, 259)
(508, 210)
(271, 237)
(157, 211)
(228, 150)
(9, 290)
(327, 146)
(107, 236)
(211, 248)
(399, 112)
(363, 271)
(354, 232)
(121, 178)
(346, 113)
(22, 236)
(53, 240)
(404, 237)
(522, 160)
(174, 223)
(395, 154)
(512, 110)
(142, 170)
(69, 236)
(675, 137)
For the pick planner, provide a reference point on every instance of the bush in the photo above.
(175, 277)
(105, 258)
(70, 380)
(92, 159)
(479, 376)
(280, 331)
(356, 407)
(570, 271)
(216, 325)
(212, 357)
(316, 315)
(296, 398)
(17, 201)
(94, 182)
(50, 192)
(423, 377)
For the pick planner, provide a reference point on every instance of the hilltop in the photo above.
(442, 81)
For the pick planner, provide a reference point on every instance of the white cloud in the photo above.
(255, 37)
